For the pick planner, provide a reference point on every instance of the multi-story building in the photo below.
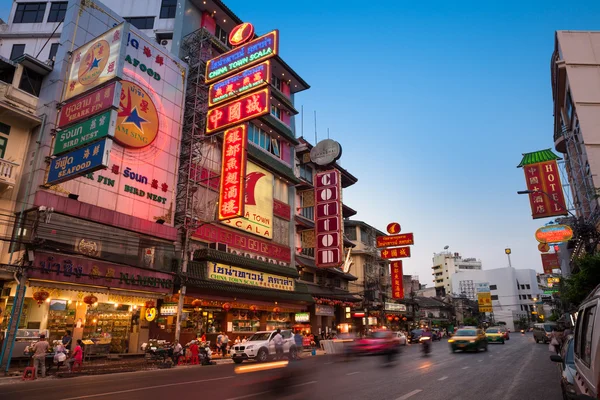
(445, 264)
(514, 292)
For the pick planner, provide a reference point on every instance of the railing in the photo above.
(308, 213)
(8, 171)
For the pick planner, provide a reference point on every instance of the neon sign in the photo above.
(233, 173)
(245, 56)
(328, 219)
(247, 107)
(241, 34)
(239, 83)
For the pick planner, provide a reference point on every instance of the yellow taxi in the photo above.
(468, 338)
(494, 335)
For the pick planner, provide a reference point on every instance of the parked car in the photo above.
(541, 332)
(401, 338)
(378, 342)
(566, 367)
(587, 346)
(260, 347)
(494, 335)
(466, 339)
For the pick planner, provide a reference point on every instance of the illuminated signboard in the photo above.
(241, 34)
(245, 56)
(397, 252)
(79, 162)
(397, 285)
(393, 228)
(550, 262)
(92, 103)
(554, 234)
(233, 173)
(97, 127)
(242, 109)
(96, 62)
(247, 277)
(137, 124)
(249, 79)
(328, 220)
(395, 240)
(547, 199)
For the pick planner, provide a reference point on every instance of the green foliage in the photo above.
(554, 317)
(522, 323)
(575, 288)
(470, 321)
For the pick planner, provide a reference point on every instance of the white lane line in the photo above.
(304, 384)
(411, 394)
(147, 388)
(352, 373)
(249, 395)
(465, 367)
(479, 360)
(443, 378)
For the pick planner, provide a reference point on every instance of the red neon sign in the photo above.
(397, 284)
(397, 252)
(241, 34)
(328, 219)
(245, 81)
(247, 107)
(395, 240)
(233, 173)
(547, 199)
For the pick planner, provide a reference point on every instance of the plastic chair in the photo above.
(29, 374)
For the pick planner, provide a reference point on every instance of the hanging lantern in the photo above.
(149, 304)
(276, 310)
(403, 318)
(226, 306)
(396, 318)
(197, 303)
(253, 308)
(89, 300)
(40, 297)
(331, 303)
(390, 318)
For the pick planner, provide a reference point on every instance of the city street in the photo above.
(519, 369)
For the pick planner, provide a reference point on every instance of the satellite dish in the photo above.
(446, 247)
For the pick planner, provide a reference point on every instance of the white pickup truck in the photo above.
(260, 347)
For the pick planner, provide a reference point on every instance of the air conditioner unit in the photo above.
(272, 261)
(261, 258)
(283, 264)
(166, 43)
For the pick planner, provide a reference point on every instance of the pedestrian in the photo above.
(194, 349)
(298, 340)
(76, 357)
(554, 342)
(39, 354)
(225, 342)
(177, 349)
(220, 344)
(237, 340)
(66, 340)
(278, 342)
(203, 337)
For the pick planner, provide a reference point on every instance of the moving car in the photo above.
(494, 335)
(566, 367)
(505, 332)
(587, 346)
(378, 342)
(401, 338)
(260, 347)
(468, 339)
(415, 335)
(541, 332)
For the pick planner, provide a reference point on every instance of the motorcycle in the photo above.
(204, 353)
(426, 342)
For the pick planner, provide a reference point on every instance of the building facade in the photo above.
(446, 264)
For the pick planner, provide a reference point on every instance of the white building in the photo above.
(514, 291)
(446, 264)
(34, 26)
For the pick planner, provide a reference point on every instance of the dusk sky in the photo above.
(434, 103)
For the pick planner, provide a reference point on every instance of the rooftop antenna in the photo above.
(327, 133)
(302, 120)
(316, 140)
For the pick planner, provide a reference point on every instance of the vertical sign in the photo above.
(328, 226)
(233, 173)
(543, 178)
(550, 262)
(397, 287)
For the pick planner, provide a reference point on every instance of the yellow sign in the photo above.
(241, 276)
(258, 212)
(137, 120)
(150, 314)
(94, 63)
(484, 300)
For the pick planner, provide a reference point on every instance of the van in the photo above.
(541, 332)
(587, 342)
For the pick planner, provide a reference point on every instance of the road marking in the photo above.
(304, 384)
(411, 394)
(147, 388)
(479, 360)
(249, 395)
(328, 363)
(465, 367)
(443, 378)
(352, 373)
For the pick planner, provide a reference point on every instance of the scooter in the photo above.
(426, 342)
(205, 353)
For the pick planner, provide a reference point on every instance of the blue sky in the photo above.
(433, 103)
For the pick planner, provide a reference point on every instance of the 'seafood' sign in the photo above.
(404, 239)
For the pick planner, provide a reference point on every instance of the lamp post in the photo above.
(507, 251)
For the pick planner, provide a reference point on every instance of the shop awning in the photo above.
(94, 289)
(332, 293)
(310, 263)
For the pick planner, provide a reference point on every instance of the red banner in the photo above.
(244, 108)
(397, 287)
(88, 105)
(328, 219)
(395, 240)
(233, 173)
(397, 252)
(550, 262)
(544, 178)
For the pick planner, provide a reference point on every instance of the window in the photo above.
(351, 233)
(221, 34)
(493, 287)
(141, 22)
(584, 347)
(276, 82)
(262, 139)
(29, 13)
(167, 8)
(569, 106)
(521, 307)
(529, 296)
(4, 128)
(31, 82)
(3, 142)
(527, 287)
(307, 276)
(364, 236)
(306, 173)
(53, 51)
(522, 287)
(276, 112)
(280, 191)
(17, 51)
(57, 11)
(494, 297)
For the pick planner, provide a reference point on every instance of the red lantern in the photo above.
(390, 318)
(40, 297)
(319, 301)
(403, 318)
(276, 310)
(197, 303)
(226, 306)
(149, 304)
(331, 303)
(396, 318)
(90, 300)
(253, 308)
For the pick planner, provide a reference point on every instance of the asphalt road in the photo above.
(520, 369)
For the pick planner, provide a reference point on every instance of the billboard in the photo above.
(247, 277)
(233, 173)
(329, 250)
(242, 109)
(88, 131)
(397, 286)
(554, 234)
(258, 207)
(240, 83)
(484, 301)
(395, 240)
(96, 62)
(84, 160)
(544, 180)
(397, 252)
(253, 52)
(550, 262)
(92, 103)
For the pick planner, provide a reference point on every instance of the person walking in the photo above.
(76, 357)
(278, 342)
(220, 343)
(40, 349)
(225, 342)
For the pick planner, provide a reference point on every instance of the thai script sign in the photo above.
(85, 132)
(395, 240)
(397, 252)
(95, 102)
(245, 56)
(241, 276)
(328, 219)
(251, 106)
(326, 311)
(249, 79)
(554, 234)
(233, 173)
(397, 284)
(79, 162)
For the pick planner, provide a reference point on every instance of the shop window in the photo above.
(141, 22)
(221, 34)
(28, 13)
(17, 51)
(306, 173)
(351, 233)
(57, 11)
(31, 82)
(168, 8)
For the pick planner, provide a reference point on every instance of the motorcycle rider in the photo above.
(426, 340)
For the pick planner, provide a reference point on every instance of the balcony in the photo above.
(560, 143)
(8, 172)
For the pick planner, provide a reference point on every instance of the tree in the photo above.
(522, 323)
(575, 288)
(470, 321)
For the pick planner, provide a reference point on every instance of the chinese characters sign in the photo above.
(249, 79)
(79, 162)
(85, 132)
(241, 276)
(244, 108)
(550, 262)
(258, 207)
(397, 286)
(328, 219)
(484, 300)
(397, 252)
(395, 240)
(90, 104)
(233, 173)
(137, 125)
(245, 56)
(95, 62)
(544, 178)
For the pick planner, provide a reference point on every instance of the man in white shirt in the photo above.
(177, 349)
(278, 341)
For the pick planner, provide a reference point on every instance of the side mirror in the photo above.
(556, 358)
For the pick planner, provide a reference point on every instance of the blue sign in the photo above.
(79, 162)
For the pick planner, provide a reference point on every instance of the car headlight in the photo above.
(450, 340)
(471, 341)
(250, 347)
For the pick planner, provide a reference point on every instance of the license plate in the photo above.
(461, 345)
